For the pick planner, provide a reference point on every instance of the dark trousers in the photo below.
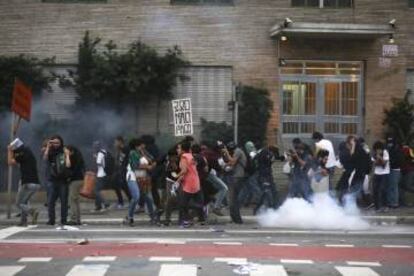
(185, 199)
(343, 185)
(59, 190)
(235, 186)
(380, 190)
(119, 184)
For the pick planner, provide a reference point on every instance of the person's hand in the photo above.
(324, 172)
(9, 147)
(66, 151)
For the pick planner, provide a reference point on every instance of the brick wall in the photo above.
(236, 36)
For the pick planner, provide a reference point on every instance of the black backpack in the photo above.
(109, 167)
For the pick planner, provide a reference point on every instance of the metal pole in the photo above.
(10, 172)
(236, 116)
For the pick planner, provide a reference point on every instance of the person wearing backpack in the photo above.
(103, 170)
(58, 175)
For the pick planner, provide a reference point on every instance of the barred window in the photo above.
(75, 1)
(324, 3)
(202, 2)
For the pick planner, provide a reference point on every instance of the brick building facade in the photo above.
(237, 35)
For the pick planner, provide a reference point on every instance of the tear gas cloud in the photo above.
(323, 213)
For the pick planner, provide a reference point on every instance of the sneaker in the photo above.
(185, 224)
(370, 206)
(35, 216)
(50, 223)
(73, 223)
(167, 223)
(120, 206)
(22, 224)
(218, 212)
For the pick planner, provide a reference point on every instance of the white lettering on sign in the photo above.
(183, 117)
(390, 50)
(384, 62)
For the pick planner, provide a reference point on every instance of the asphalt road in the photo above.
(206, 250)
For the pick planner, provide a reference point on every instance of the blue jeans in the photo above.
(221, 187)
(59, 190)
(134, 192)
(392, 189)
(250, 190)
(300, 187)
(99, 200)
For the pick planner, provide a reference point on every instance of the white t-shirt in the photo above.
(381, 170)
(100, 162)
(130, 175)
(327, 145)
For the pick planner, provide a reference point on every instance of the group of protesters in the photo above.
(196, 179)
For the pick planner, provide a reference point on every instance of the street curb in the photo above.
(380, 220)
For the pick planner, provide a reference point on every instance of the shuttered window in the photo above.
(210, 89)
(56, 101)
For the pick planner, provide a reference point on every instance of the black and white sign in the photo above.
(390, 50)
(183, 117)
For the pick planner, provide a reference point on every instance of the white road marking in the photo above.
(269, 270)
(288, 261)
(9, 231)
(228, 243)
(283, 244)
(352, 271)
(178, 270)
(363, 263)
(170, 241)
(230, 260)
(340, 245)
(35, 260)
(396, 246)
(88, 270)
(165, 259)
(99, 259)
(10, 270)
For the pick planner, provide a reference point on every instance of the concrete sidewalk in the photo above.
(114, 216)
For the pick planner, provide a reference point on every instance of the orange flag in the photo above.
(22, 100)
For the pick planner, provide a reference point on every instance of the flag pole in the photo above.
(10, 171)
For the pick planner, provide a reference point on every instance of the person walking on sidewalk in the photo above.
(100, 155)
(324, 144)
(394, 178)
(59, 179)
(381, 159)
(21, 155)
(237, 161)
(190, 184)
(76, 166)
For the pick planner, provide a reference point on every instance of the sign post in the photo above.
(22, 107)
(183, 117)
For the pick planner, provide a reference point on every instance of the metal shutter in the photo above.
(210, 89)
(56, 102)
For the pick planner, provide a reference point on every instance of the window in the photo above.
(74, 1)
(411, 3)
(324, 3)
(202, 2)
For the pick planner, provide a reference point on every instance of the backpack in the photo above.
(58, 168)
(109, 166)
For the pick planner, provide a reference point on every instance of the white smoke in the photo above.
(323, 213)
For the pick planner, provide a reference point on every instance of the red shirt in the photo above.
(191, 181)
(408, 164)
